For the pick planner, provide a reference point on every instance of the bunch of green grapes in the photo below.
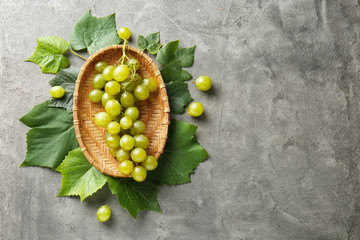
(118, 88)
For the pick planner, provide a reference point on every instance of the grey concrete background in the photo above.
(282, 123)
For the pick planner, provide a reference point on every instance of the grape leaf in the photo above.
(151, 42)
(135, 196)
(174, 59)
(179, 96)
(94, 33)
(49, 54)
(66, 78)
(181, 155)
(52, 136)
(80, 178)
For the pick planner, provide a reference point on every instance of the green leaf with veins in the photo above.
(182, 154)
(66, 78)
(174, 60)
(79, 177)
(135, 196)
(51, 138)
(179, 96)
(49, 54)
(151, 42)
(93, 33)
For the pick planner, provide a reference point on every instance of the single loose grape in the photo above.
(113, 128)
(98, 81)
(127, 142)
(121, 73)
(113, 151)
(138, 127)
(126, 167)
(127, 99)
(124, 33)
(106, 97)
(138, 155)
(195, 109)
(100, 66)
(151, 84)
(102, 119)
(133, 64)
(103, 213)
(95, 95)
(112, 87)
(112, 141)
(57, 91)
(203, 83)
(141, 141)
(132, 112)
(122, 155)
(113, 107)
(125, 122)
(108, 73)
(139, 174)
(141, 92)
(150, 163)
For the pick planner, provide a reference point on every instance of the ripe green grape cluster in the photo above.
(118, 88)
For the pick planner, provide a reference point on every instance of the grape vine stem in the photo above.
(77, 54)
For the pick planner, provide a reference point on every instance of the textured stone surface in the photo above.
(282, 123)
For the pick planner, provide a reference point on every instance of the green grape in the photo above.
(195, 109)
(112, 87)
(138, 155)
(151, 84)
(141, 141)
(123, 155)
(57, 91)
(124, 33)
(103, 213)
(133, 64)
(100, 66)
(150, 163)
(113, 128)
(138, 127)
(102, 119)
(127, 142)
(95, 95)
(126, 167)
(127, 100)
(141, 92)
(98, 81)
(132, 112)
(128, 86)
(113, 151)
(108, 73)
(121, 73)
(106, 97)
(112, 141)
(203, 83)
(113, 107)
(125, 122)
(139, 174)
(138, 77)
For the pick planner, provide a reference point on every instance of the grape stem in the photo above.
(122, 60)
(124, 49)
(77, 54)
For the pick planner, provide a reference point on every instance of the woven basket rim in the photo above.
(90, 60)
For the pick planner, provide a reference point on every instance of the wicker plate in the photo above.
(154, 112)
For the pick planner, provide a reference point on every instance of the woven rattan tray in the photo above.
(154, 112)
